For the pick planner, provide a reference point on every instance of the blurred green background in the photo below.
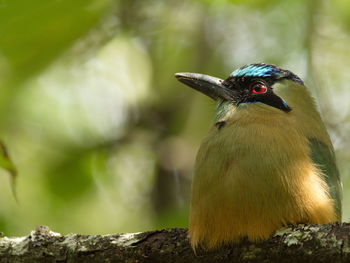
(103, 135)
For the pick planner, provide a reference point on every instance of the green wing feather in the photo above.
(324, 158)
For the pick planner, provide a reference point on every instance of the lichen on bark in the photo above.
(301, 243)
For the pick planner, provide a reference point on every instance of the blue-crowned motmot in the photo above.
(267, 161)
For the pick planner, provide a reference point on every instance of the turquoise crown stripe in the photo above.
(255, 71)
(265, 71)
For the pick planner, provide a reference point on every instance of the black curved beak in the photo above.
(208, 85)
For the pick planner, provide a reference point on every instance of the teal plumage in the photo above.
(324, 158)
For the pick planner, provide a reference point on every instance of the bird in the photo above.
(267, 161)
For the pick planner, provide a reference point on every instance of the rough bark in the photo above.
(302, 243)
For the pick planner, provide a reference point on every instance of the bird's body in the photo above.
(266, 162)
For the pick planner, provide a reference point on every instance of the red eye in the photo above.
(258, 88)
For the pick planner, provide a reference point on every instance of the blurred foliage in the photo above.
(103, 135)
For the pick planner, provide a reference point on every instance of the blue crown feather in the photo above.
(265, 71)
(255, 70)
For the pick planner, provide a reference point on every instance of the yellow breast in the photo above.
(253, 176)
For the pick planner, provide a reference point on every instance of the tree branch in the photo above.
(302, 243)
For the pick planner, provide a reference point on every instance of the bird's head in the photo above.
(250, 84)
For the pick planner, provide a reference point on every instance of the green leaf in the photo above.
(7, 164)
